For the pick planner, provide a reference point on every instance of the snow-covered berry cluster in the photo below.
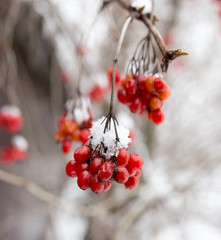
(17, 151)
(10, 118)
(74, 124)
(145, 95)
(104, 158)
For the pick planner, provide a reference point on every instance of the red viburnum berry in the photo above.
(84, 179)
(132, 182)
(71, 168)
(123, 157)
(130, 86)
(66, 146)
(84, 135)
(95, 165)
(105, 171)
(82, 154)
(80, 167)
(122, 174)
(96, 185)
(157, 116)
(107, 185)
(135, 161)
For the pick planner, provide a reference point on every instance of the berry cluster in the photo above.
(10, 118)
(17, 151)
(74, 124)
(144, 94)
(96, 172)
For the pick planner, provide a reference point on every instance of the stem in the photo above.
(115, 60)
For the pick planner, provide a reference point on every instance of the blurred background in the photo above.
(179, 196)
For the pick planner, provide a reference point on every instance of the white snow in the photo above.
(20, 142)
(10, 110)
(138, 4)
(109, 137)
(78, 109)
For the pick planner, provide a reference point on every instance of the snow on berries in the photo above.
(145, 95)
(105, 158)
(10, 118)
(16, 151)
(74, 124)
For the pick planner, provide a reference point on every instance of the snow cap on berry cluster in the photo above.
(19, 142)
(139, 4)
(78, 109)
(10, 110)
(108, 139)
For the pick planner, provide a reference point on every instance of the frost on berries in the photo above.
(105, 158)
(74, 124)
(10, 118)
(17, 151)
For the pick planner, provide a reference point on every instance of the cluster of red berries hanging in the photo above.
(74, 124)
(143, 89)
(145, 95)
(16, 151)
(10, 118)
(104, 158)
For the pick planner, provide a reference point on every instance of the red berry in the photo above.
(155, 103)
(96, 185)
(84, 179)
(95, 165)
(138, 173)
(135, 161)
(157, 116)
(80, 167)
(122, 175)
(123, 157)
(107, 185)
(66, 146)
(130, 86)
(71, 168)
(136, 106)
(84, 135)
(132, 171)
(159, 84)
(121, 95)
(82, 154)
(105, 172)
(110, 76)
(132, 182)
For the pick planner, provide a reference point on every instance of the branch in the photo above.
(46, 196)
(168, 55)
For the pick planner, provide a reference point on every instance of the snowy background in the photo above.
(179, 196)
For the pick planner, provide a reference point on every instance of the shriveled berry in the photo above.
(123, 157)
(122, 174)
(132, 182)
(82, 154)
(84, 135)
(105, 172)
(71, 168)
(96, 185)
(66, 146)
(84, 179)
(157, 116)
(135, 161)
(95, 165)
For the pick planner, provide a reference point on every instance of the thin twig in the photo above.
(115, 60)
